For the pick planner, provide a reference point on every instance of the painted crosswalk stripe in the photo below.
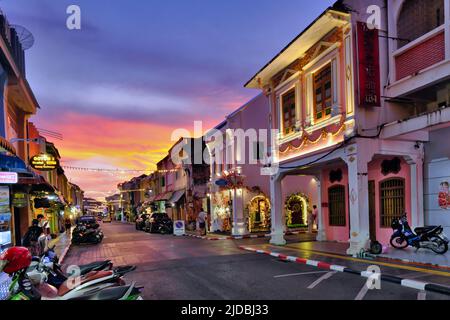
(362, 293)
(299, 274)
(326, 276)
(422, 295)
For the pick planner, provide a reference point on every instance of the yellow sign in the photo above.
(44, 162)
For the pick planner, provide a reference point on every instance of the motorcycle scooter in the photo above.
(58, 286)
(431, 237)
(22, 288)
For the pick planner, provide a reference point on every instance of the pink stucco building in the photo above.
(355, 109)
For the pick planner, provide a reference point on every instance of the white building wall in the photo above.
(437, 171)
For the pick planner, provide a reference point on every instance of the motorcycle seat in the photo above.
(422, 230)
(94, 266)
(106, 294)
(91, 276)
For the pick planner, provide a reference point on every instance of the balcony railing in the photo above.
(420, 54)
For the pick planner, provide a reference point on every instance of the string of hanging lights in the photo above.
(117, 170)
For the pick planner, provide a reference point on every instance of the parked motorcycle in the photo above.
(84, 235)
(159, 223)
(95, 285)
(431, 237)
(141, 221)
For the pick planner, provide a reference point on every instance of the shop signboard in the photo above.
(44, 162)
(4, 200)
(221, 183)
(9, 177)
(19, 200)
(5, 217)
(179, 228)
(369, 79)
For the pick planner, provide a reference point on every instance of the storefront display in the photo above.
(258, 214)
(297, 210)
(222, 213)
(5, 217)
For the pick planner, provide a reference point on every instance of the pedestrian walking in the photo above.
(68, 224)
(201, 220)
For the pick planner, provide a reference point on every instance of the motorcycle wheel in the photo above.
(399, 243)
(441, 246)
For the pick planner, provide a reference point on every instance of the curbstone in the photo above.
(418, 285)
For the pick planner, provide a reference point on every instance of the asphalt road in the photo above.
(192, 269)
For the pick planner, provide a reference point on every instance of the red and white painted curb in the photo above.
(418, 285)
(249, 236)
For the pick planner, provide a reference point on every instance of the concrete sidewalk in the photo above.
(421, 256)
(409, 255)
(62, 244)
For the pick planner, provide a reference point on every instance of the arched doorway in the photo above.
(258, 210)
(297, 207)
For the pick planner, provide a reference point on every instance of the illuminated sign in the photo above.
(44, 162)
(20, 200)
(9, 177)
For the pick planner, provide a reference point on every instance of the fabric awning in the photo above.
(177, 195)
(163, 196)
(13, 164)
(41, 185)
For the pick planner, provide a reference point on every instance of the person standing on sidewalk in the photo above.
(315, 215)
(43, 223)
(201, 220)
(68, 224)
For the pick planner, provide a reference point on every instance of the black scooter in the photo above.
(83, 235)
(159, 223)
(431, 237)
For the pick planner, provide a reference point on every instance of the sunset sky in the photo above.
(139, 69)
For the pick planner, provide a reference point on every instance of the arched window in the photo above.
(392, 200)
(336, 206)
(418, 17)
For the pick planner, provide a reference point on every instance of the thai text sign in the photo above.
(368, 47)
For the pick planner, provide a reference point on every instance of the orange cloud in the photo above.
(100, 142)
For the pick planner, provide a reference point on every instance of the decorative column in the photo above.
(321, 234)
(239, 225)
(277, 212)
(357, 162)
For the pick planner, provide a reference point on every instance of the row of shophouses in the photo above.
(24, 191)
(362, 131)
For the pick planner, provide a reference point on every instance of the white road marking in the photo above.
(422, 295)
(324, 277)
(362, 293)
(298, 274)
